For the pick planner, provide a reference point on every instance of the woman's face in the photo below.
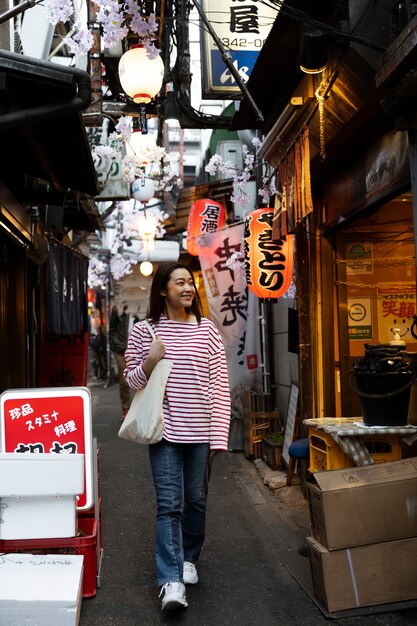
(180, 290)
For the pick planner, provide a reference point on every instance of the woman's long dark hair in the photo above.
(156, 306)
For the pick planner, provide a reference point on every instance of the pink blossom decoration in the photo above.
(58, 10)
(79, 41)
(240, 179)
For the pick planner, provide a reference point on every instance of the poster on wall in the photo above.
(396, 308)
(359, 258)
(360, 318)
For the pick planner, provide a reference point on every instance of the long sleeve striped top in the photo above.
(197, 399)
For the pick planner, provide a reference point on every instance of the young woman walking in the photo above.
(197, 418)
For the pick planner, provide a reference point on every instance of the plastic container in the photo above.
(325, 454)
(91, 514)
(384, 397)
(84, 544)
(384, 448)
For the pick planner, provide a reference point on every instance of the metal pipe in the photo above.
(266, 375)
(20, 8)
(20, 64)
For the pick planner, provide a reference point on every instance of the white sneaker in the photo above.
(189, 575)
(173, 596)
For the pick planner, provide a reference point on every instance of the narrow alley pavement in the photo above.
(248, 569)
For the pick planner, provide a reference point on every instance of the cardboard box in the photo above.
(362, 505)
(38, 495)
(36, 589)
(84, 544)
(380, 573)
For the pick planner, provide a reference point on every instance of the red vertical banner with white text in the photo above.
(49, 420)
(234, 310)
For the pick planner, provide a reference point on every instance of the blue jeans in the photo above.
(180, 478)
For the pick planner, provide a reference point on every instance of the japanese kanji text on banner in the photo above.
(234, 310)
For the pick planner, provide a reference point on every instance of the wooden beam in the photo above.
(399, 55)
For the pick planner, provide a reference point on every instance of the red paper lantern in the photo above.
(268, 262)
(206, 216)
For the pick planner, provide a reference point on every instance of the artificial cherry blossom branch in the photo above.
(116, 20)
(228, 169)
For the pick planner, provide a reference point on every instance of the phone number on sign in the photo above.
(242, 43)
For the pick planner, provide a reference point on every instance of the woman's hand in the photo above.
(156, 352)
(157, 349)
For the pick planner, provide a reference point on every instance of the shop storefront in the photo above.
(47, 189)
(369, 244)
(355, 251)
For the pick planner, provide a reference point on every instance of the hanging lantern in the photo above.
(268, 262)
(206, 216)
(146, 268)
(140, 77)
(147, 226)
(143, 189)
(139, 144)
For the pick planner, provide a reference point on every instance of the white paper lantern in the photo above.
(143, 189)
(146, 268)
(139, 144)
(140, 77)
(147, 226)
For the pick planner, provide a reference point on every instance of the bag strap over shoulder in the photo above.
(149, 327)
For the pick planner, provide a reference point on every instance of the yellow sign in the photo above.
(396, 308)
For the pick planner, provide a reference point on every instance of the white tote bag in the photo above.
(144, 422)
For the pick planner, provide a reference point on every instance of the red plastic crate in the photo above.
(85, 544)
(91, 514)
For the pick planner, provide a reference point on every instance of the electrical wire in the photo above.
(307, 20)
(304, 18)
(181, 25)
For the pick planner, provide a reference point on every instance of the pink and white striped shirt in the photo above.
(197, 399)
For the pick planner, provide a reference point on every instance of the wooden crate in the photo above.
(272, 453)
(257, 425)
(258, 422)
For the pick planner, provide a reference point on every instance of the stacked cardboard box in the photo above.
(38, 510)
(363, 549)
(38, 506)
(43, 590)
(38, 494)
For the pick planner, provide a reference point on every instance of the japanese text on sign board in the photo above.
(242, 26)
(41, 421)
(247, 17)
(210, 220)
(244, 18)
(270, 259)
(50, 420)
